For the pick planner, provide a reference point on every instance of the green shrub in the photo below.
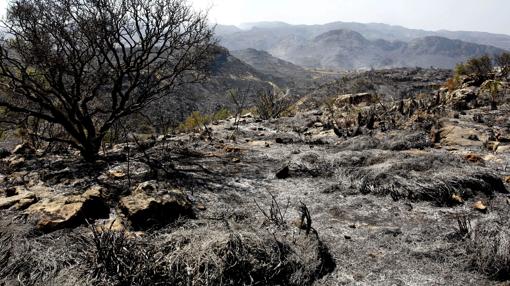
(221, 114)
(197, 120)
(481, 67)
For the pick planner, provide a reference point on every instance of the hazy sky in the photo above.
(473, 15)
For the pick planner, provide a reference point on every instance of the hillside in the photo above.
(270, 65)
(226, 73)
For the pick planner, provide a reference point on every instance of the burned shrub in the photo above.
(430, 186)
(272, 104)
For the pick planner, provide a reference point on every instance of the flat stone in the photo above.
(452, 135)
(17, 198)
(151, 204)
(60, 211)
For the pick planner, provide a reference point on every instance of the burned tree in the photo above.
(85, 64)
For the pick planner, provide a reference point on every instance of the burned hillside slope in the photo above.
(350, 191)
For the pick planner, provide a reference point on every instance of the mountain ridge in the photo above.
(347, 49)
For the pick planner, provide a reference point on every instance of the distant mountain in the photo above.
(372, 31)
(321, 46)
(267, 25)
(226, 29)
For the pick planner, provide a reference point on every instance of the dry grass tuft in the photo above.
(205, 257)
(489, 248)
(246, 258)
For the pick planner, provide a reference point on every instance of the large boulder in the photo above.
(61, 211)
(452, 134)
(463, 98)
(354, 99)
(151, 205)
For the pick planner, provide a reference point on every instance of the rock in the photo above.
(456, 135)
(492, 145)
(231, 149)
(259, 143)
(503, 149)
(236, 160)
(200, 206)
(23, 149)
(283, 173)
(318, 125)
(461, 99)
(247, 115)
(16, 198)
(137, 170)
(480, 206)
(60, 211)
(355, 99)
(16, 161)
(151, 205)
(474, 158)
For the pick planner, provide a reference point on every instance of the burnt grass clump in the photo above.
(211, 255)
(416, 176)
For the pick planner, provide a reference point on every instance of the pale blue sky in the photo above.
(473, 15)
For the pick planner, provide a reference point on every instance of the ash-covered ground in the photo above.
(347, 190)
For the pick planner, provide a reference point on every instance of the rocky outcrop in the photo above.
(452, 134)
(60, 211)
(151, 205)
(462, 99)
(354, 99)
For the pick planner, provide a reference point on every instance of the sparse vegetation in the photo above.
(503, 62)
(493, 87)
(197, 121)
(480, 67)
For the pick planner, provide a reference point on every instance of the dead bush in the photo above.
(271, 104)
